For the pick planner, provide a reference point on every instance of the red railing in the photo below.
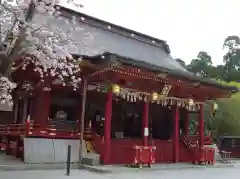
(204, 155)
(189, 144)
(12, 129)
(207, 139)
(34, 130)
(193, 147)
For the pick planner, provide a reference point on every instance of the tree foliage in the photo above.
(227, 120)
(229, 71)
(39, 42)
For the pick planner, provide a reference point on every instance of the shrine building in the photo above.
(133, 97)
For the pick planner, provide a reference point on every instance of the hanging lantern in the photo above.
(190, 102)
(154, 96)
(214, 109)
(116, 89)
(215, 106)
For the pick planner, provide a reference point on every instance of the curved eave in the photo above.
(209, 82)
(111, 58)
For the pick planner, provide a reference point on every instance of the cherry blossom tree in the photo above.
(40, 43)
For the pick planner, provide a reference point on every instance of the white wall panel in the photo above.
(38, 150)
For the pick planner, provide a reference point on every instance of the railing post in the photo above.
(107, 128)
(68, 159)
(176, 135)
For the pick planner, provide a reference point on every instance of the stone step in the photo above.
(92, 159)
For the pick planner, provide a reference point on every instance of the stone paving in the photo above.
(156, 167)
(207, 173)
(9, 160)
(10, 163)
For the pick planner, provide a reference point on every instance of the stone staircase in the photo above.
(92, 159)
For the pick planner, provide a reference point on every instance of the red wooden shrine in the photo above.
(146, 85)
(121, 103)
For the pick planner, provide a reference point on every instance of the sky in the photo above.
(188, 26)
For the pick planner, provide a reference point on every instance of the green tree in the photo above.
(181, 62)
(232, 58)
(201, 65)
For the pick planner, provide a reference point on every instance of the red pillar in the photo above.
(186, 122)
(42, 108)
(176, 135)
(107, 128)
(15, 110)
(201, 126)
(145, 123)
(7, 142)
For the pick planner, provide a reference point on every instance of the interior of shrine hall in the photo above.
(126, 120)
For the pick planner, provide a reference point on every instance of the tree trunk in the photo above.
(6, 59)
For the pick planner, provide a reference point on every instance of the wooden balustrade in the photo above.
(34, 130)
